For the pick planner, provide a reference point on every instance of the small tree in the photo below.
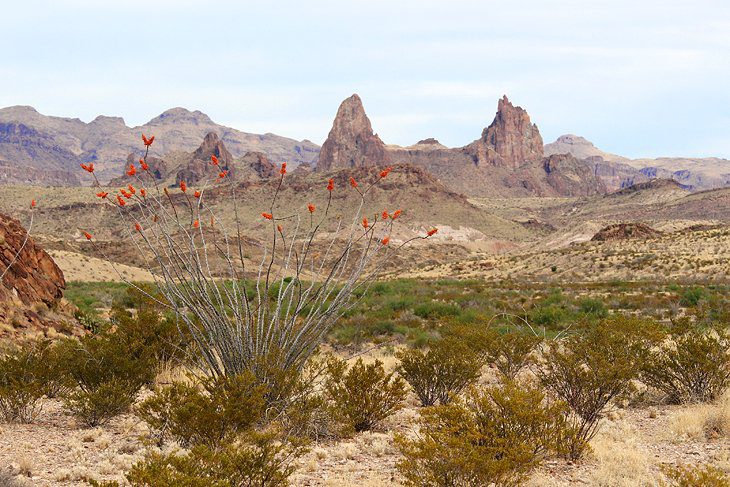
(494, 436)
(363, 396)
(441, 372)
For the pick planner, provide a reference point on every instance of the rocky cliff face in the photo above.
(351, 142)
(200, 167)
(34, 277)
(29, 156)
(510, 141)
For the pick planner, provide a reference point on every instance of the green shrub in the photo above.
(21, 383)
(695, 476)
(692, 296)
(105, 374)
(593, 307)
(255, 460)
(208, 415)
(495, 436)
(439, 373)
(363, 396)
(588, 371)
(694, 366)
(435, 310)
(512, 351)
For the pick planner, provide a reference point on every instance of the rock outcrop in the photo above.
(34, 276)
(510, 141)
(200, 167)
(259, 165)
(351, 142)
(625, 231)
(158, 170)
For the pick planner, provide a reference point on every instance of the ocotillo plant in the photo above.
(313, 266)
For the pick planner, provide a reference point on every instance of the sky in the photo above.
(640, 78)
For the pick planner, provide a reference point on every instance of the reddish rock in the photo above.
(34, 277)
(158, 170)
(259, 164)
(624, 231)
(510, 141)
(200, 167)
(351, 142)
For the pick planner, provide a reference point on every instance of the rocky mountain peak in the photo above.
(510, 140)
(351, 142)
(179, 115)
(199, 167)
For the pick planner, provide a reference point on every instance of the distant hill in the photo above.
(46, 150)
(695, 174)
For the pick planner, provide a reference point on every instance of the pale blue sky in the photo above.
(638, 78)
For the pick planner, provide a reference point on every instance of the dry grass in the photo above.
(702, 421)
(620, 460)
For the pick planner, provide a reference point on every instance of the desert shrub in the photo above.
(588, 371)
(549, 316)
(692, 296)
(512, 351)
(440, 372)
(435, 310)
(694, 366)
(593, 307)
(364, 395)
(105, 374)
(21, 383)
(211, 414)
(495, 436)
(258, 459)
(695, 475)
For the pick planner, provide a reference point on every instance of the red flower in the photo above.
(148, 142)
(183, 186)
(131, 189)
(396, 214)
(87, 235)
(222, 174)
(121, 201)
(132, 170)
(143, 165)
(385, 214)
(197, 194)
(32, 203)
(196, 224)
(138, 227)
(102, 194)
(432, 231)
(385, 241)
(311, 208)
(88, 167)
(143, 192)
(353, 183)
(385, 172)
(268, 216)
(279, 228)
(365, 222)
(214, 160)
(330, 184)
(282, 171)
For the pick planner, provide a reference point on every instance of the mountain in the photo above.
(40, 149)
(696, 174)
(509, 141)
(351, 142)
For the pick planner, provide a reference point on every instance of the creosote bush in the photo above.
(493, 436)
(363, 395)
(694, 366)
(512, 351)
(256, 459)
(590, 370)
(441, 372)
(22, 382)
(210, 414)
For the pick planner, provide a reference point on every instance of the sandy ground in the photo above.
(79, 267)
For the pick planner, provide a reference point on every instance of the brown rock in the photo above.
(34, 276)
(158, 170)
(510, 141)
(259, 164)
(200, 167)
(624, 231)
(351, 142)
